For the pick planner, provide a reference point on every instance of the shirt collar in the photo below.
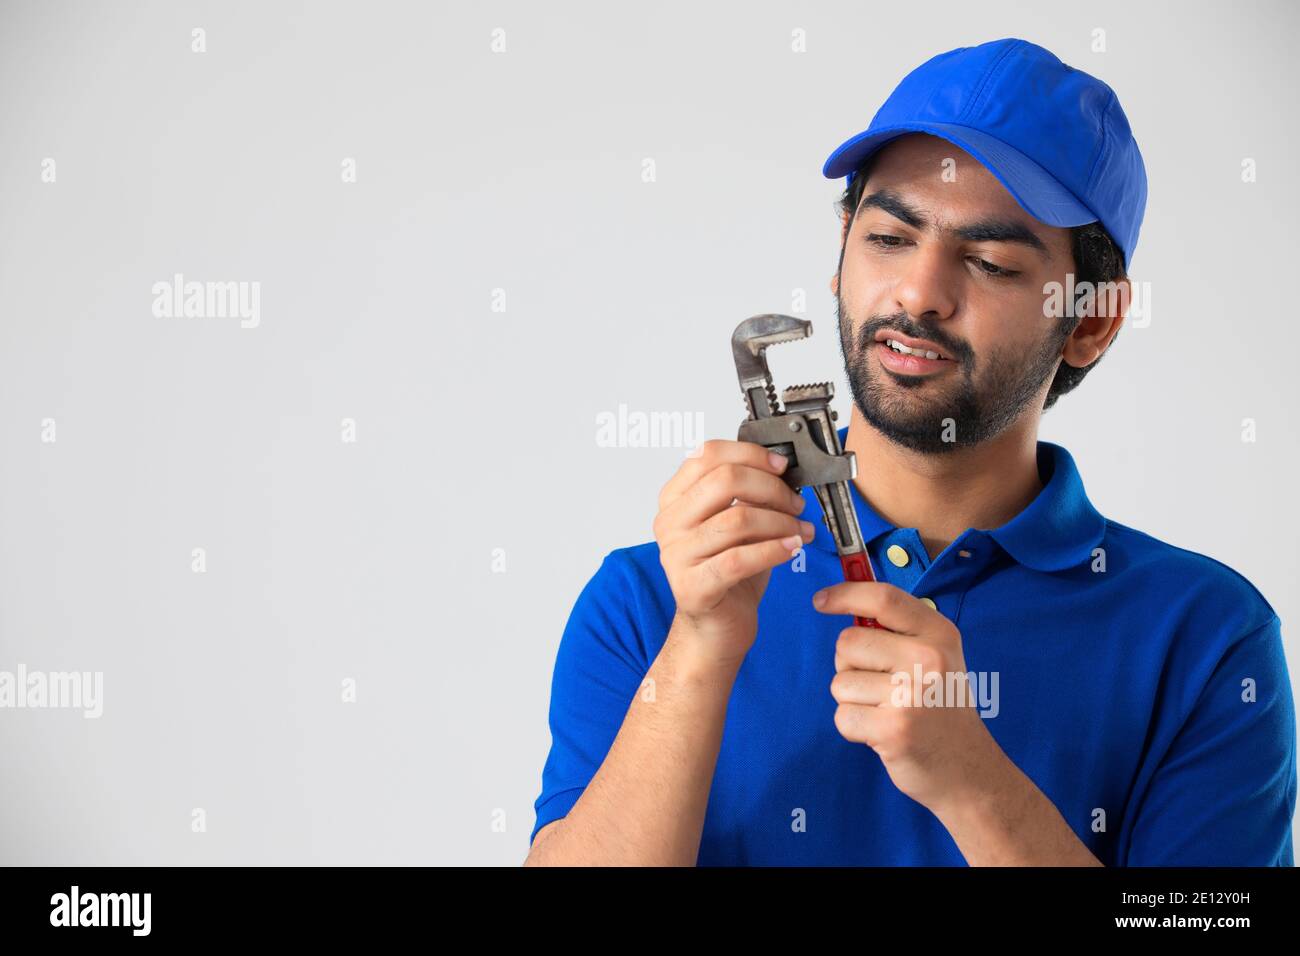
(1057, 530)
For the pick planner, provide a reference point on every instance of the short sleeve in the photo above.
(1225, 793)
(599, 668)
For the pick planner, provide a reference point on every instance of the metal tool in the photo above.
(804, 432)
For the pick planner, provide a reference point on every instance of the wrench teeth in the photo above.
(811, 390)
(777, 338)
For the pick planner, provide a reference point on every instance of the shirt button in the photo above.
(898, 556)
(929, 602)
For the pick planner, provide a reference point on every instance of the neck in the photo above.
(981, 487)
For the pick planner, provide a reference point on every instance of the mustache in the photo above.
(900, 323)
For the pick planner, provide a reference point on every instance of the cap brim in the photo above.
(1034, 188)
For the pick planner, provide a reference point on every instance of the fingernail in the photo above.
(819, 599)
(792, 543)
(807, 528)
(778, 461)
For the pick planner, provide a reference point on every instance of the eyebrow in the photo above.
(984, 230)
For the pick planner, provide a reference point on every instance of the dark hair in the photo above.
(1096, 260)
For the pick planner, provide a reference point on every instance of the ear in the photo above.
(1103, 314)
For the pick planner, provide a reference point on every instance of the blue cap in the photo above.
(1054, 136)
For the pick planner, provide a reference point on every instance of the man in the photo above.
(1118, 701)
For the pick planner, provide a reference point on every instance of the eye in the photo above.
(885, 241)
(992, 270)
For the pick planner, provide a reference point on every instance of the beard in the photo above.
(939, 413)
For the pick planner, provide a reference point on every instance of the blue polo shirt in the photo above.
(1141, 686)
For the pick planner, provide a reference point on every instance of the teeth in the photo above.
(900, 347)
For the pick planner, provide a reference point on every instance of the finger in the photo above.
(862, 687)
(726, 483)
(861, 723)
(888, 604)
(744, 524)
(869, 649)
(734, 565)
(716, 451)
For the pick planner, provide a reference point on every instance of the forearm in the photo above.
(645, 805)
(1013, 824)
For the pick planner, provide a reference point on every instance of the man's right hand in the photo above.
(725, 519)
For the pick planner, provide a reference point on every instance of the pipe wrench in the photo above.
(804, 433)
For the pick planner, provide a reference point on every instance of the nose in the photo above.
(924, 287)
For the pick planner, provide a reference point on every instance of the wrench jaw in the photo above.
(804, 431)
(749, 345)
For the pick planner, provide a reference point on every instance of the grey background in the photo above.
(476, 429)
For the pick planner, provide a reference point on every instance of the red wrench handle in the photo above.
(858, 568)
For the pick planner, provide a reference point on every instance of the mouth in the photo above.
(909, 356)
